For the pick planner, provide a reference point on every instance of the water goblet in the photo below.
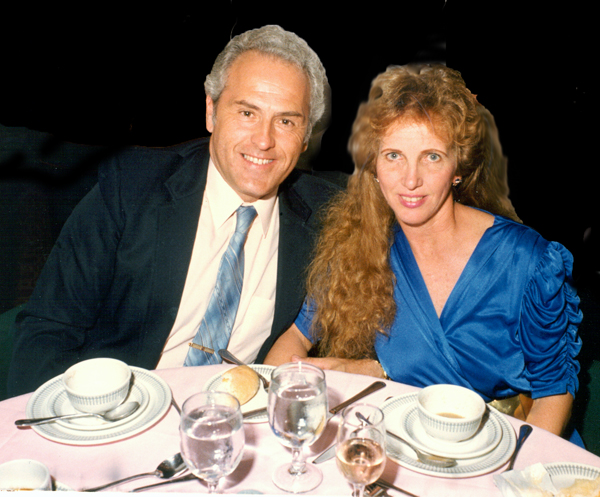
(360, 450)
(212, 436)
(297, 409)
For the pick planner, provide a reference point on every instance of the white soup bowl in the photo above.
(97, 385)
(450, 413)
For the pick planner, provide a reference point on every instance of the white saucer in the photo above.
(44, 402)
(394, 410)
(486, 439)
(61, 487)
(564, 474)
(259, 401)
(58, 404)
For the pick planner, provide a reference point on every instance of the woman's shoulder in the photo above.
(506, 228)
(475, 222)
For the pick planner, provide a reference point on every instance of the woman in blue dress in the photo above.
(424, 274)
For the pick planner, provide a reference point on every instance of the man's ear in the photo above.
(210, 110)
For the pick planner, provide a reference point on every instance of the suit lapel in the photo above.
(177, 223)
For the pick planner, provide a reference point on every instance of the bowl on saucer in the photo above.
(450, 413)
(97, 385)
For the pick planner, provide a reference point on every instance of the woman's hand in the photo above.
(367, 367)
(293, 346)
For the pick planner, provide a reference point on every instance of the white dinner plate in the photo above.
(409, 427)
(259, 401)
(44, 400)
(395, 407)
(564, 474)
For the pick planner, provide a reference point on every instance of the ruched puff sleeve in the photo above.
(550, 317)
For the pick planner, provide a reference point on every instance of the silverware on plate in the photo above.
(424, 457)
(120, 412)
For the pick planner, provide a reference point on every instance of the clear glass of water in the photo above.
(360, 450)
(212, 436)
(297, 415)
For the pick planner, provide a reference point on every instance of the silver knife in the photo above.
(330, 452)
(334, 410)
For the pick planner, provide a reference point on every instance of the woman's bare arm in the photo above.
(294, 346)
(291, 343)
(551, 413)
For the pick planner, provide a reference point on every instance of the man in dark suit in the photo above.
(134, 267)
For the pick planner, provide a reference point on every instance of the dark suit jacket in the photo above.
(113, 282)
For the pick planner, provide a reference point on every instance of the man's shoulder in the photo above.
(314, 186)
(155, 157)
(141, 167)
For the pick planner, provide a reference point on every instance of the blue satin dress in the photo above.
(509, 325)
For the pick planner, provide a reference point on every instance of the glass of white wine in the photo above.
(212, 436)
(297, 415)
(360, 450)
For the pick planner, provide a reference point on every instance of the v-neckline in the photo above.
(477, 257)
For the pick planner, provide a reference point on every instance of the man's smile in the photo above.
(256, 160)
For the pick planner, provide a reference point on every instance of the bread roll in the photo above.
(241, 382)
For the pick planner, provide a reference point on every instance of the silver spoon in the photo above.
(119, 412)
(229, 357)
(167, 469)
(523, 434)
(431, 459)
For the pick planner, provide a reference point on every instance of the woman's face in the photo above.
(415, 170)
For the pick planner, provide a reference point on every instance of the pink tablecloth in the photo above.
(80, 467)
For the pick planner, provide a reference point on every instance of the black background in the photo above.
(108, 77)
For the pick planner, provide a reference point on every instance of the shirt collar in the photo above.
(224, 201)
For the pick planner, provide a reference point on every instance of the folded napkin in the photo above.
(534, 481)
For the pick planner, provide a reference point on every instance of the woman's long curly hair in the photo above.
(350, 281)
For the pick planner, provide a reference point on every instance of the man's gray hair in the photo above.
(273, 40)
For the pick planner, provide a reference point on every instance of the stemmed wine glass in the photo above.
(360, 450)
(297, 415)
(212, 436)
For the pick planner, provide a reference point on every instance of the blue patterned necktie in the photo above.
(215, 328)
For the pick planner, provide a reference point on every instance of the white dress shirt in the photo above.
(257, 302)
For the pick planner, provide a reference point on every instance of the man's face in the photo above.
(259, 124)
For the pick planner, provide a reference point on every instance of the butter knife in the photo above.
(373, 387)
(330, 452)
